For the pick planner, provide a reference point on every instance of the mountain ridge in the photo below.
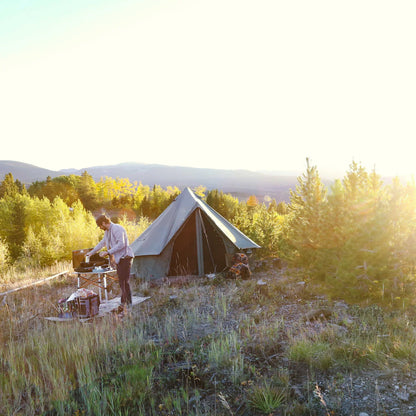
(240, 183)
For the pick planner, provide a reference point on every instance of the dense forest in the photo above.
(357, 237)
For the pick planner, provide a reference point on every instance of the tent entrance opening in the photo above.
(184, 260)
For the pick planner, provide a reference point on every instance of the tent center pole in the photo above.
(199, 243)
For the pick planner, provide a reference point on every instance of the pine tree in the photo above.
(16, 232)
(359, 234)
(305, 222)
(9, 187)
(87, 191)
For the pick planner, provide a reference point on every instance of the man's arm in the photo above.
(98, 247)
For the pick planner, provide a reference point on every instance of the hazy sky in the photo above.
(258, 85)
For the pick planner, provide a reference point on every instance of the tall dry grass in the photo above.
(205, 347)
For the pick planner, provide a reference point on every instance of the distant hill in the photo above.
(240, 183)
(25, 172)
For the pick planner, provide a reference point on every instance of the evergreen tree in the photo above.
(145, 208)
(20, 187)
(87, 191)
(361, 232)
(14, 225)
(225, 204)
(212, 199)
(142, 192)
(402, 231)
(281, 207)
(266, 230)
(61, 186)
(272, 206)
(9, 187)
(243, 220)
(306, 220)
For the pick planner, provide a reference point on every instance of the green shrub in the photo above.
(266, 398)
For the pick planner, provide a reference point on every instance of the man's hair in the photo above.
(102, 219)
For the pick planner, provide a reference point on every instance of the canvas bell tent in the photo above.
(188, 238)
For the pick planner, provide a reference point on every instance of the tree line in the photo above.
(45, 222)
(356, 238)
(106, 194)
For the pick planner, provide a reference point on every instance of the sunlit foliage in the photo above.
(4, 255)
(358, 239)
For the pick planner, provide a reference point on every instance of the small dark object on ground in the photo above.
(240, 267)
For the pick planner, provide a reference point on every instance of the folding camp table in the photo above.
(97, 278)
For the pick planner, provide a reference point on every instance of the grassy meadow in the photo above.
(199, 347)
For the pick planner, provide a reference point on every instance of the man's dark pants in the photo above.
(123, 273)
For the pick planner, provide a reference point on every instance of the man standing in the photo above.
(120, 253)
